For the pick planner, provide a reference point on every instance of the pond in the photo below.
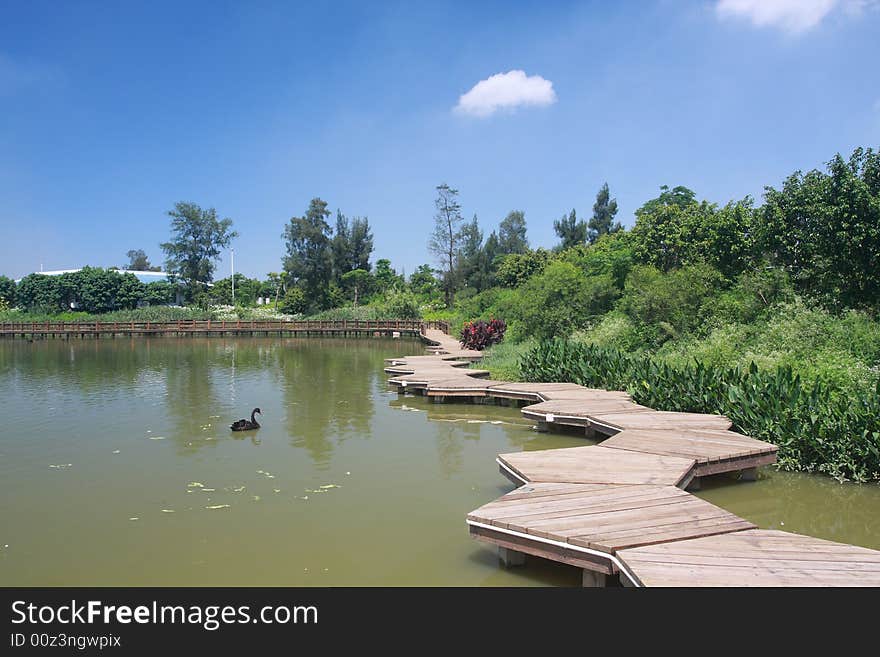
(118, 468)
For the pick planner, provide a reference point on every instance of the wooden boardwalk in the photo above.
(597, 520)
(595, 465)
(216, 327)
(713, 451)
(619, 510)
(757, 557)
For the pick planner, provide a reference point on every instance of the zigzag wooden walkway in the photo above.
(619, 510)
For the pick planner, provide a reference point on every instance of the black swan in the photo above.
(247, 425)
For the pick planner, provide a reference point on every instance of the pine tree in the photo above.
(604, 210)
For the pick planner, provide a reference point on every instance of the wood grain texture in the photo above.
(607, 518)
(600, 465)
(756, 557)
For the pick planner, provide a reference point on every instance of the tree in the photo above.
(571, 232)
(386, 278)
(423, 282)
(309, 258)
(197, 239)
(361, 243)
(39, 292)
(445, 239)
(489, 261)
(679, 196)
(358, 281)
(512, 233)
(246, 290)
(340, 247)
(160, 293)
(604, 210)
(275, 282)
(668, 305)
(515, 269)
(611, 255)
(129, 291)
(469, 254)
(351, 246)
(7, 291)
(138, 261)
(672, 235)
(823, 229)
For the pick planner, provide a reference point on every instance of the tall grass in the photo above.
(148, 314)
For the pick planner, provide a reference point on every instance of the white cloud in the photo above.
(506, 91)
(790, 15)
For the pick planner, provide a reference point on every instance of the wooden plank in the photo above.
(596, 464)
(584, 407)
(610, 518)
(544, 550)
(703, 446)
(661, 420)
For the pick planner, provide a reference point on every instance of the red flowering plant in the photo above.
(481, 334)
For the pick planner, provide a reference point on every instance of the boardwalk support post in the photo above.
(694, 484)
(749, 474)
(511, 558)
(592, 579)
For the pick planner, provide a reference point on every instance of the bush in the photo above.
(664, 306)
(612, 254)
(294, 301)
(560, 300)
(842, 351)
(400, 304)
(480, 334)
(816, 429)
(515, 269)
(615, 330)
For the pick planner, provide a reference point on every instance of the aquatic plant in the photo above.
(817, 428)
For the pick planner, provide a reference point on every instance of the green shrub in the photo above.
(615, 330)
(666, 306)
(401, 304)
(294, 301)
(559, 300)
(515, 269)
(612, 254)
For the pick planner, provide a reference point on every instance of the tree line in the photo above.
(821, 229)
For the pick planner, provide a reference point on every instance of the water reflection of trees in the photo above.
(454, 423)
(92, 364)
(86, 364)
(328, 388)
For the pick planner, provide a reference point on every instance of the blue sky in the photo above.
(112, 112)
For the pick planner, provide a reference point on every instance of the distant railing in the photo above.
(437, 324)
(211, 326)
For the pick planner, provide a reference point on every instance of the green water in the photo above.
(138, 432)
